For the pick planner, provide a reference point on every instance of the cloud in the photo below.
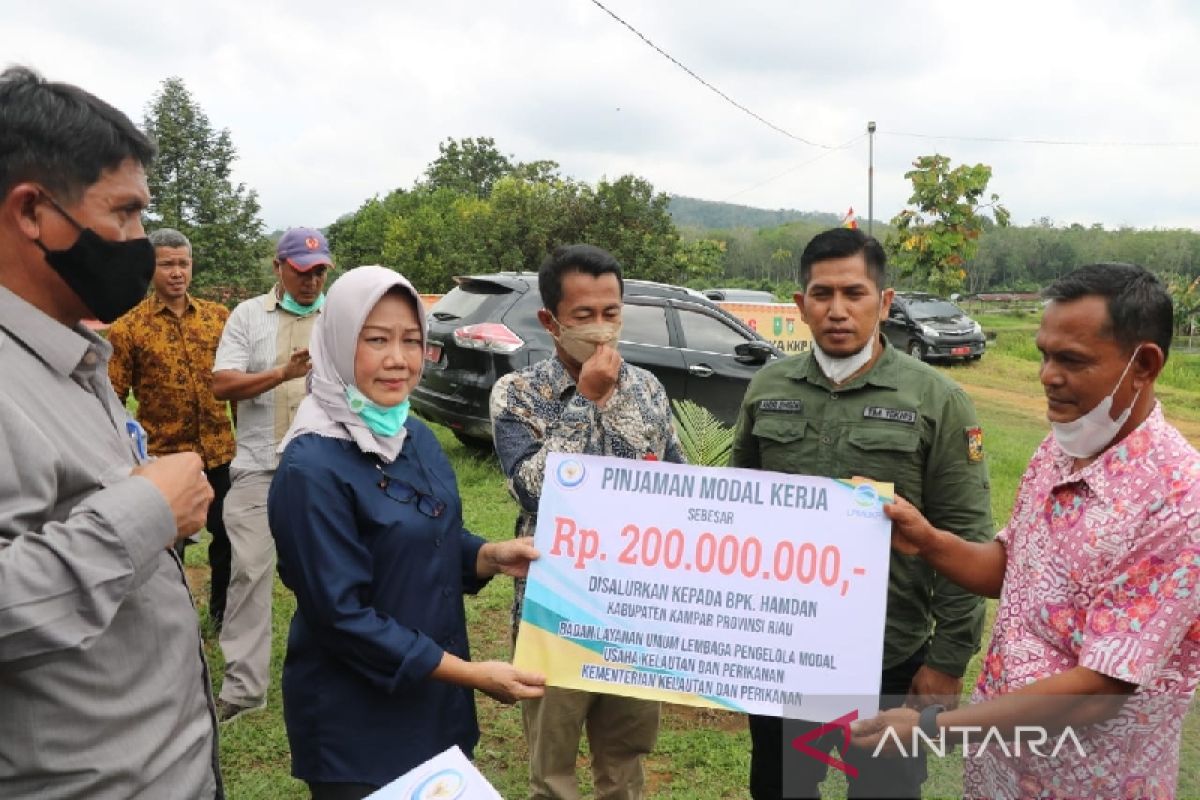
(331, 104)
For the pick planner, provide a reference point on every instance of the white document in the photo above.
(447, 776)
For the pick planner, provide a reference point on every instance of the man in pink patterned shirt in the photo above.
(1097, 571)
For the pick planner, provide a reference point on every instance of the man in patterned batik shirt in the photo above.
(585, 399)
(163, 350)
(1097, 570)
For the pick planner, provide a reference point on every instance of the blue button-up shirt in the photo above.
(379, 582)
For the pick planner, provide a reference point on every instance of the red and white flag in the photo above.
(850, 221)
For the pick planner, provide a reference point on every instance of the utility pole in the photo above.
(870, 176)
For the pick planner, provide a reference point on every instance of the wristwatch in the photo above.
(928, 720)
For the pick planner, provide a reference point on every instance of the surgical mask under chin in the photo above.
(1092, 432)
(109, 277)
(580, 341)
(289, 303)
(838, 369)
(382, 420)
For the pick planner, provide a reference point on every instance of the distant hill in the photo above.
(690, 212)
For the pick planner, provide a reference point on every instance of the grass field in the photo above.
(701, 754)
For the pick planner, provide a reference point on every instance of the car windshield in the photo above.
(932, 309)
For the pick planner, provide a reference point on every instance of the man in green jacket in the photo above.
(855, 406)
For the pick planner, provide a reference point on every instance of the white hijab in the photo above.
(326, 411)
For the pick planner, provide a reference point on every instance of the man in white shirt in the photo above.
(260, 364)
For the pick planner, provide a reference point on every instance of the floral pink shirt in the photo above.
(1103, 572)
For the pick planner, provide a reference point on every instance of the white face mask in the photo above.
(839, 370)
(1095, 430)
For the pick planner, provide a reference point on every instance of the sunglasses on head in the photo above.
(403, 492)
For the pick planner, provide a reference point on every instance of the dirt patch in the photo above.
(1020, 402)
(1034, 406)
(197, 580)
(694, 717)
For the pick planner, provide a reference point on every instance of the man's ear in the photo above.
(1147, 365)
(885, 307)
(798, 299)
(547, 319)
(20, 206)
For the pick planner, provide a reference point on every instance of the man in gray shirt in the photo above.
(104, 692)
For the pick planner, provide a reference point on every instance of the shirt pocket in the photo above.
(263, 351)
(782, 442)
(891, 454)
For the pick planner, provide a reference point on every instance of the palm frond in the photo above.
(705, 440)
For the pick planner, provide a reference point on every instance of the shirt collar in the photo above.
(60, 347)
(884, 373)
(1127, 457)
(157, 306)
(271, 298)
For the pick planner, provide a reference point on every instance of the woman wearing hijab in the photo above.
(367, 520)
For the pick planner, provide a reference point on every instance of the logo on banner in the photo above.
(570, 474)
(866, 496)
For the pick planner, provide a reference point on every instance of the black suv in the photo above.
(929, 328)
(487, 326)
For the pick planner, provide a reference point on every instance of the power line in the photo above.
(1023, 140)
(908, 134)
(790, 170)
(709, 86)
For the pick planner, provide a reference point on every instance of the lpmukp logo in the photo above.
(570, 473)
(867, 500)
(866, 496)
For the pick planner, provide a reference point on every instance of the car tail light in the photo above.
(491, 336)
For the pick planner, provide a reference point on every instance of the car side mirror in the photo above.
(753, 352)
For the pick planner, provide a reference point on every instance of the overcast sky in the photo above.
(330, 103)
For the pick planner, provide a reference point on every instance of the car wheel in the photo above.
(479, 447)
(916, 350)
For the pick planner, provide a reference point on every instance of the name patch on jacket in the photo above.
(890, 414)
(781, 406)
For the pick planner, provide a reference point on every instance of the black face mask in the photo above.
(109, 277)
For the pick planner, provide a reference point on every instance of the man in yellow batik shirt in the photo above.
(163, 350)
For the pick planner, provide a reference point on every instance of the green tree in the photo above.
(475, 165)
(1185, 297)
(468, 166)
(934, 241)
(632, 222)
(479, 212)
(700, 262)
(191, 190)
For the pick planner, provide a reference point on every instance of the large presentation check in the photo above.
(738, 589)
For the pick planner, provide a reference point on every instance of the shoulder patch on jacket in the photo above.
(975, 444)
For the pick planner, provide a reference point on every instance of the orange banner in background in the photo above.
(778, 323)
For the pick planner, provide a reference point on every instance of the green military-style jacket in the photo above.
(901, 422)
